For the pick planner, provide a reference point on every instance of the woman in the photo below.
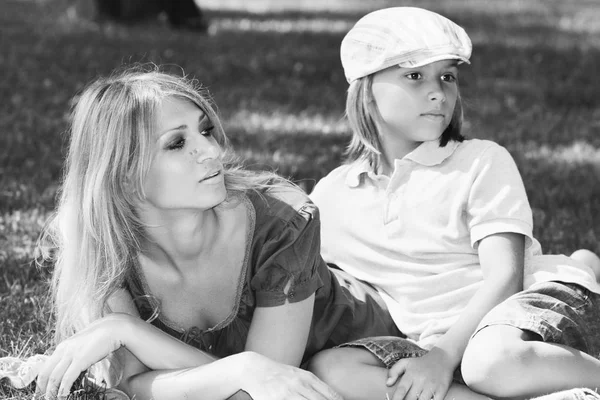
(183, 273)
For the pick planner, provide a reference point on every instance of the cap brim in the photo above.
(429, 60)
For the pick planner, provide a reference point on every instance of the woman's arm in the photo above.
(259, 376)
(277, 336)
(281, 333)
(158, 366)
(502, 259)
(155, 348)
(139, 346)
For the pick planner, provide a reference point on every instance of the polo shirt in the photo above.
(414, 235)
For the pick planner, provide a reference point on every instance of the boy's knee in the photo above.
(590, 259)
(494, 364)
(326, 365)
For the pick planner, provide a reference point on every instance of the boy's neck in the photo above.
(394, 151)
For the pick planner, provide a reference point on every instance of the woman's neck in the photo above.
(180, 239)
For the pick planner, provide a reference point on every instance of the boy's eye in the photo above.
(449, 78)
(413, 75)
(207, 131)
(176, 144)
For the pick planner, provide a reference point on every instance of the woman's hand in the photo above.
(80, 352)
(425, 378)
(265, 379)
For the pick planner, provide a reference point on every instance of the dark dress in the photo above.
(282, 245)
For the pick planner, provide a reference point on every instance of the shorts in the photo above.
(390, 349)
(561, 313)
(558, 312)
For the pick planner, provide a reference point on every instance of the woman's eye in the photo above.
(207, 131)
(176, 144)
(413, 76)
(449, 78)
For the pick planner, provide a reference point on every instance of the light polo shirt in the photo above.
(414, 235)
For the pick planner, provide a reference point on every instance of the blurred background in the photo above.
(273, 69)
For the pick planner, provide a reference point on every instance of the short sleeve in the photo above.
(498, 201)
(319, 194)
(289, 255)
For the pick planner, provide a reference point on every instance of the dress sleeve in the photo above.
(498, 201)
(289, 256)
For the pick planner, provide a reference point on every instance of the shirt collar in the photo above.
(430, 153)
(357, 168)
(427, 153)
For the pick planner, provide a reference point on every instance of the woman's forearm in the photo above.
(158, 350)
(217, 380)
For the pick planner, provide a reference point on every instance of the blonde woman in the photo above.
(185, 275)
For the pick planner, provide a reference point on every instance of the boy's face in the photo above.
(415, 104)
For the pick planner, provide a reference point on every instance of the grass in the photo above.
(273, 69)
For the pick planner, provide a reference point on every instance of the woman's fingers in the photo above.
(307, 386)
(291, 383)
(46, 371)
(324, 390)
(69, 376)
(307, 392)
(56, 377)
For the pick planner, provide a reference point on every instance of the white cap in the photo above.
(403, 36)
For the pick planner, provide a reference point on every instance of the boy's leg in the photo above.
(589, 258)
(537, 342)
(358, 374)
(503, 361)
(352, 372)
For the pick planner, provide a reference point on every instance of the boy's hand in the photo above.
(422, 378)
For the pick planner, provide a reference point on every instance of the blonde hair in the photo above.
(362, 114)
(95, 233)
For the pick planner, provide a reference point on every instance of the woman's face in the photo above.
(415, 104)
(186, 171)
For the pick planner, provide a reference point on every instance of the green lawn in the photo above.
(273, 69)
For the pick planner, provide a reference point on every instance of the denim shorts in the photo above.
(390, 349)
(562, 313)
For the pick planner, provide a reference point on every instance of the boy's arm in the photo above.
(502, 258)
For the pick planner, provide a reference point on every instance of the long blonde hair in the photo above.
(95, 233)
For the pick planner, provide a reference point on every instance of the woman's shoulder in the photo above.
(283, 203)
